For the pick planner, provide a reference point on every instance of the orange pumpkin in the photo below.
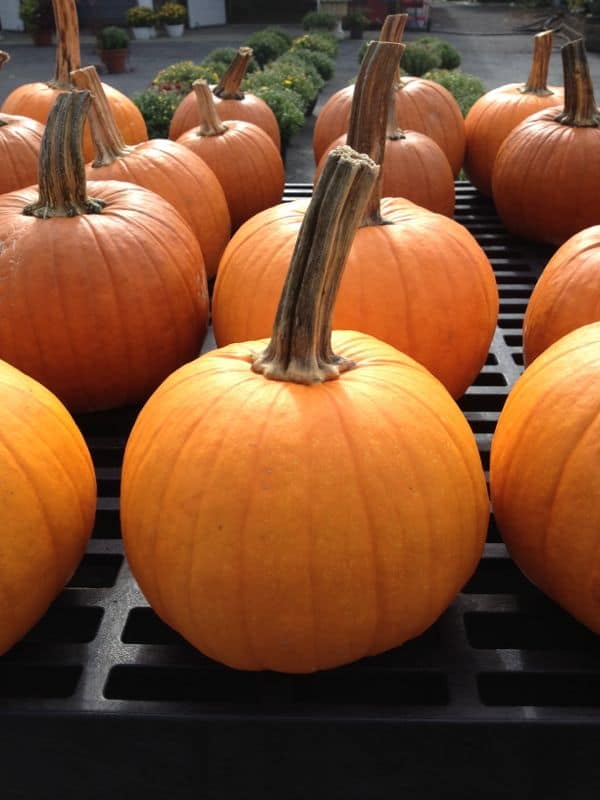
(545, 177)
(349, 469)
(48, 501)
(494, 115)
(231, 103)
(162, 166)
(246, 162)
(102, 296)
(36, 99)
(567, 295)
(545, 473)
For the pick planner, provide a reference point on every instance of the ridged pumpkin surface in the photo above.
(20, 139)
(186, 182)
(545, 473)
(36, 99)
(47, 501)
(567, 294)
(422, 284)
(101, 307)
(291, 527)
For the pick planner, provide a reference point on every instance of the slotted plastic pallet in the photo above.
(499, 699)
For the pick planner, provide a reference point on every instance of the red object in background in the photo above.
(418, 11)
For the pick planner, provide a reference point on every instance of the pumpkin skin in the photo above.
(20, 139)
(567, 294)
(415, 168)
(352, 574)
(545, 473)
(48, 501)
(422, 284)
(247, 165)
(421, 105)
(103, 306)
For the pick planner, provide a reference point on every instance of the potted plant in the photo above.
(38, 18)
(355, 22)
(113, 44)
(141, 21)
(172, 16)
(319, 21)
(591, 26)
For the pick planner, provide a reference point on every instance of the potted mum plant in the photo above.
(113, 45)
(38, 18)
(172, 16)
(355, 22)
(141, 21)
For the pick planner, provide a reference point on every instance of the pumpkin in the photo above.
(494, 115)
(48, 501)
(246, 162)
(231, 103)
(545, 473)
(567, 294)
(417, 280)
(162, 166)
(36, 99)
(349, 464)
(102, 295)
(544, 180)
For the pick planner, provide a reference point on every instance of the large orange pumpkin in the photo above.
(47, 501)
(102, 295)
(545, 473)
(36, 99)
(246, 162)
(494, 115)
(162, 166)
(231, 103)
(348, 471)
(545, 177)
(567, 295)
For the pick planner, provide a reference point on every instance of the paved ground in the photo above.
(489, 38)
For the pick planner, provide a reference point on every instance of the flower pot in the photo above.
(114, 60)
(42, 38)
(142, 33)
(175, 30)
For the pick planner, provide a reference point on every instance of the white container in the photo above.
(175, 30)
(142, 33)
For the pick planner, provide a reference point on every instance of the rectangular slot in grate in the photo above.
(540, 689)
(97, 570)
(23, 680)
(76, 624)
(552, 630)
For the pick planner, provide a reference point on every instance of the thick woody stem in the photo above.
(537, 83)
(228, 88)
(369, 115)
(300, 347)
(393, 27)
(580, 109)
(106, 136)
(210, 124)
(4, 58)
(393, 130)
(61, 172)
(68, 56)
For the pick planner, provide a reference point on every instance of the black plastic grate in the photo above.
(501, 655)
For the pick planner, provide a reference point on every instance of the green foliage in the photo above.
(289, 76)
(324, 65)
(321, 42)
(267, 46)
(180, 76)
(36, 15)
(448, 55)
(157, 108)
(319, 20)
(355, 18)
(418, 59)
(141, 17)
(465, 88)
(277, 31)
(310, 71)
(287, 107)
(172, 14)
(113, 38)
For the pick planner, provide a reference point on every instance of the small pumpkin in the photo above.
(231, 103)
(498, 112)
(162, 166)
(47, 501)
(545, 473)
(567, 294)
(36, 99)
(545, 177)
(246, 162)
(103, 295)
(349, 464)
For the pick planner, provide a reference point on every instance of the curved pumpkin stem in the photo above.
(369, 115)
(62, 173)
(393, 27)
(580, 109)
(210, 124)
(537, 83)
(300, 347)
(229, 87)
(68, 55)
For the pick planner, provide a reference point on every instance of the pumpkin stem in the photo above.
(68, 56)
(62, 185)
(580, 109)
(393, 130)
(4, 58)
(369, 115)
(106, 136)
(393, 27)
(210, 124)
(300, 347)
(537, 83)
(229, 87)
